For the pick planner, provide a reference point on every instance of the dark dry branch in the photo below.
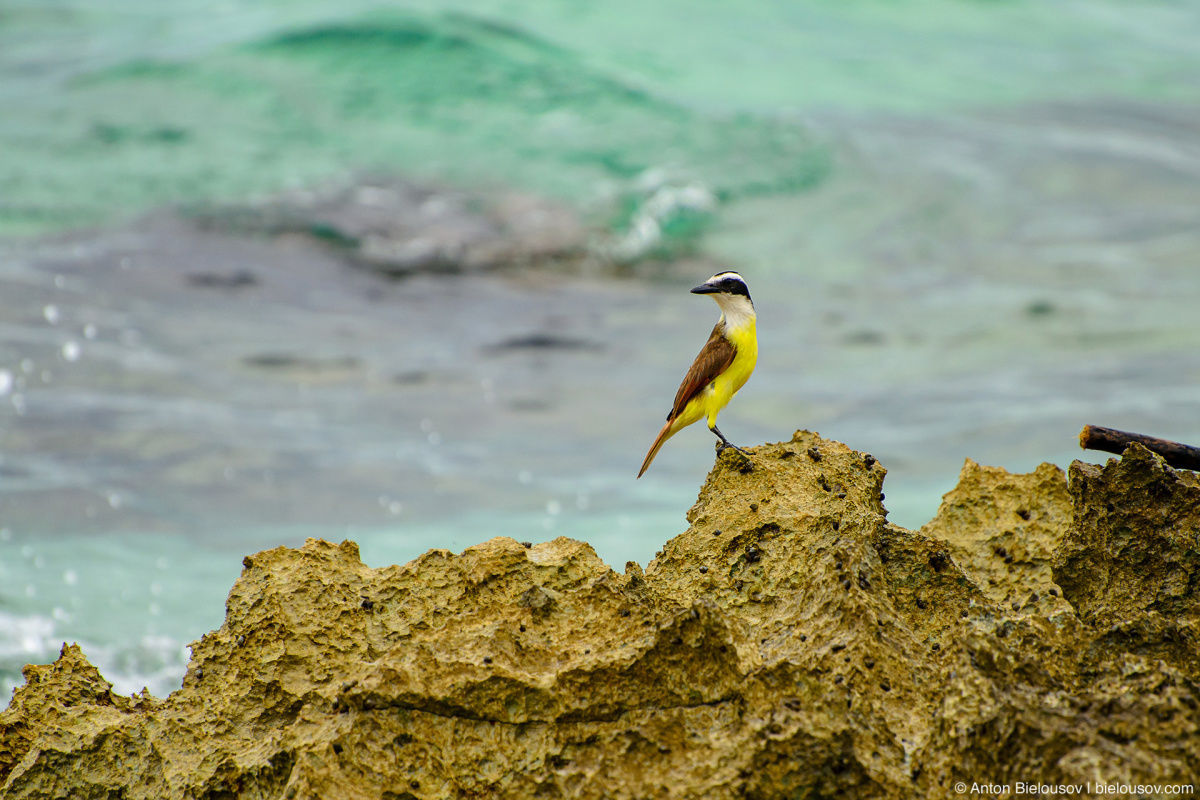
(1182, 456)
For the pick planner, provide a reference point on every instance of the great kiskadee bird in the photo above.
(723, 366)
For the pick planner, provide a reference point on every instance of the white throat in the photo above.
(736, 309)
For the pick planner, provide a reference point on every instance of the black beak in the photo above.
(706, 288)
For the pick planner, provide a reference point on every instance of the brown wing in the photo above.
(715, 357)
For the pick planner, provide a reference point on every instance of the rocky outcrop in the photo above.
(1135, 546)
(791, 643)
(1004, 529)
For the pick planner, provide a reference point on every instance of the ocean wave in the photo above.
(445, 97)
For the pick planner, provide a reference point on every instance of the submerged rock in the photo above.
(399, 228)
(792, 642)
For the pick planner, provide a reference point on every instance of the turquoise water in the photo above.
(970, 227)
(119, 107)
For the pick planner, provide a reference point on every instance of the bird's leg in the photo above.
(725, 442)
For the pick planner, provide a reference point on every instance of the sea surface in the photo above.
(969, 226)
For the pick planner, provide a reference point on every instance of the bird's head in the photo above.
(730, 292)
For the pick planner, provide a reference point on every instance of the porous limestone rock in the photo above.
(1135, 545)
(791, 643)
(1004, 529)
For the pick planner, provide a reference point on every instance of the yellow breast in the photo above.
(723, 388)
(746, 341)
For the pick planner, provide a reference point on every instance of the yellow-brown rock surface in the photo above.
(790, 643)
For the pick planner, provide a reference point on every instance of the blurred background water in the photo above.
(970, 227)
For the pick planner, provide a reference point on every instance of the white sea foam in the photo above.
(156, 663)
(23, 636)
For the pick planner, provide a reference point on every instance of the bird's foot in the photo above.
(722, 446)
(725, 443)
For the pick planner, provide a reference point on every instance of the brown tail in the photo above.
(667, 432)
